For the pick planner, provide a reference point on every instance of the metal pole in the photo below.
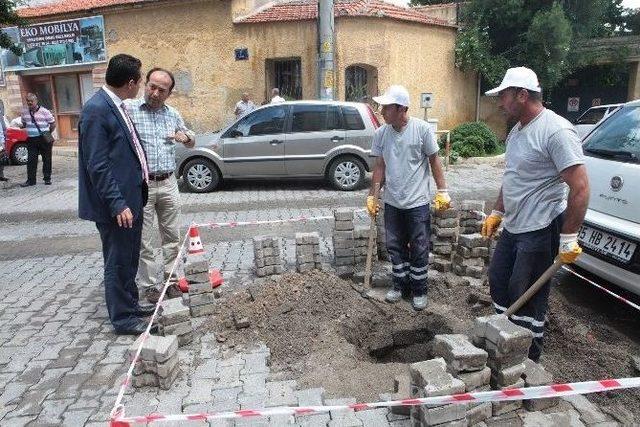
(326, 49)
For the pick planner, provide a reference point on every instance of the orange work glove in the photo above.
(491, 224)
(372, 206)
(442, 201)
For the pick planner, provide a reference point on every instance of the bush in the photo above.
(473, 139)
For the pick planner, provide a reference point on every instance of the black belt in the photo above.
(159, 176)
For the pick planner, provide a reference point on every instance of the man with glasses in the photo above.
(543, 154)
(407, 153)
(160, 128)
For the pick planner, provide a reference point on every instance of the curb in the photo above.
(65, 151)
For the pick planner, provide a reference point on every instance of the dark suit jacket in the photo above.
(110, 174)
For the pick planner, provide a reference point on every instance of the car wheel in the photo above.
(201, 175)
(346, 173)
(19, 154)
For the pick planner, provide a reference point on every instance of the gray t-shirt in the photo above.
(533, 191)
(406, 156)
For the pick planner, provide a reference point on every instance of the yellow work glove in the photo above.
(569, 248)
(491, 224)
(372, 206)
(442, 201)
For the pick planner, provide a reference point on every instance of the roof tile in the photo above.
(300, 10)
(67, 6)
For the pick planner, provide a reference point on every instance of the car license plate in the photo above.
(606, 244)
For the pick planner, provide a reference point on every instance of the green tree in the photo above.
(541, 34)
(9, 18)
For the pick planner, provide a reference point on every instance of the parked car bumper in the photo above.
(611, 273)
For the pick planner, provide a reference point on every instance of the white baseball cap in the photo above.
(395, 94)
(517, 77)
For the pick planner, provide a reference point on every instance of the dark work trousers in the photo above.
(408, 240)
(38, 146)
(121, 253)
(519, 260)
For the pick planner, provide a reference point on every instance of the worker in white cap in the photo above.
(407, 153)
(543, 157)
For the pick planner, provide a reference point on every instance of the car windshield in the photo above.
(618, 137)
(591, 116)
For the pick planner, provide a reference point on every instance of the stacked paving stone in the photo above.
(361, 244)
(381, 237)
(470, 256)
(201, 298)
(471, 216)
(308, 252)
(175, 319)
(468, 363)
(343, 238)
(267, 256)
(157, 365)
(430, 378)
(535, 376)
(508, 347)
(444, 232)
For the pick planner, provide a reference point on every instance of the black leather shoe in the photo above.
(137, 329)
(145, 310)
(47, 182)
(27, 184)
(3, 179)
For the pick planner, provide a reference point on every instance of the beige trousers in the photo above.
(163, 204)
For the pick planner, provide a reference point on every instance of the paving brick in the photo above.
(281, 393)
(538, 419)
(475, 380)
(343, 418)
(506, 376)
(589, 413)
(196, 264)
(459, 353)
(202, 310)
(343, 214)
(479, 413)
(507, 336)
(310, 397)
(472, 205)
(430, 378)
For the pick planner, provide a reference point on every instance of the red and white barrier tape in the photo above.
(233, 224)
(613, 294)
(118, 408)
(541, 392)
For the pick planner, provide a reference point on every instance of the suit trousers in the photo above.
(37, 146)
(121, 253)
(163, 204)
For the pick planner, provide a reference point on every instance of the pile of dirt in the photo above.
(323, 332)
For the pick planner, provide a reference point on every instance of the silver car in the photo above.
(294, 139)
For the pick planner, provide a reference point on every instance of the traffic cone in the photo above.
(195, 244)
(215, 277)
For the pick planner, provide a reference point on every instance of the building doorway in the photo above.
(286, 75)
(64, 94)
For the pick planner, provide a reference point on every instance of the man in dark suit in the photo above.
(112, 184)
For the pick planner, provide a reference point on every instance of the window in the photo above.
(352, 119)
(286, 75)
(591, 116)
(68, 93)
(619, 134)
(266, 121)
(334, 119)
(355, 83)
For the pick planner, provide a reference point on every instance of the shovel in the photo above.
(549, 272)
(372, 235)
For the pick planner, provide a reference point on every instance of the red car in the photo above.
(16, 145)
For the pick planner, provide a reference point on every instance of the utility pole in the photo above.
(326, 49)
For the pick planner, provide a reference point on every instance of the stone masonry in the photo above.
(175, 319)
(157, 365)
(471, 216)
(469, 364)
(361, 244)
(507, 345)
(308, 252)
(430, 378)
(267, 256)
(444, 233)
(201, 299)
(470, 256)
(343, 239)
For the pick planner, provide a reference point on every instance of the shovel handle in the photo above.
(533, 289)
(372, 233)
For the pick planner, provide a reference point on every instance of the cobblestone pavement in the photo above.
(60, 362)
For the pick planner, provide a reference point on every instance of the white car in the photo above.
(610, 235)
(594, 115)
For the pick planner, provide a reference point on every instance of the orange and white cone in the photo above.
(195, 244)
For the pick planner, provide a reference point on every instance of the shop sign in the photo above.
(56, 44)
